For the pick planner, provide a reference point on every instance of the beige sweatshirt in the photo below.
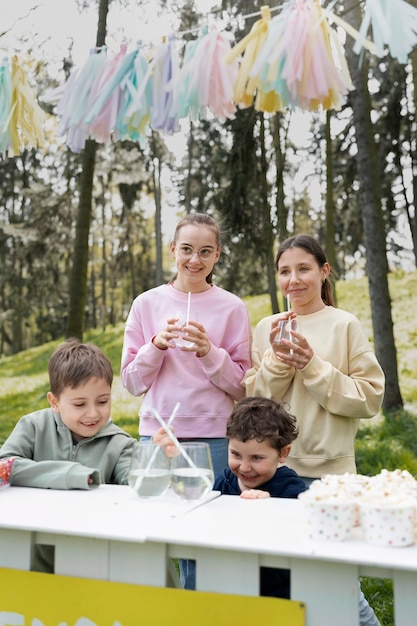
(342, 384)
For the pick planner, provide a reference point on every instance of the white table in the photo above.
(110, 534)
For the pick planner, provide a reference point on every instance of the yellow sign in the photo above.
(34, 599)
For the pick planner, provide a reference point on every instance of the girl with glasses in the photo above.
(205, 371)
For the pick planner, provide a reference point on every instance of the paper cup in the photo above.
(329, 520)
(389, 524)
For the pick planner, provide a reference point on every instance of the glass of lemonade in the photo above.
(192, 475)
(150, 470)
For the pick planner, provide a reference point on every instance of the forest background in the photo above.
(81, 234)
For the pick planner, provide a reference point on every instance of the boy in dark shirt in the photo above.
(260, 432)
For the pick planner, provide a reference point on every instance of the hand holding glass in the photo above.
(181, 341)
(284, 328)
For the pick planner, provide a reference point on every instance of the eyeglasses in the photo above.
(187, 252)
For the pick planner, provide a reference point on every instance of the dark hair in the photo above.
(74, 363)
(312, 246)
(262, 419)
(199, 219)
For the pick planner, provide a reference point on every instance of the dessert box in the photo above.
(384, 506)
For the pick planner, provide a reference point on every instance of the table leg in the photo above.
(329, 591)
(139, 563)
(15, 549)
(227, 572)
(405, 598)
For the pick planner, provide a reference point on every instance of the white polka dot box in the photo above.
(384, 506)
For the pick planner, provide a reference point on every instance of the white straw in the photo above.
(155, 452)
(188, 308)
(288, 302)
(181, 449)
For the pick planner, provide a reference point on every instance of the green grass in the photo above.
(388, 441)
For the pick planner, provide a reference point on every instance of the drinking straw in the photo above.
(188, 308)
(288, 302)
(155, 452)
(180, 448)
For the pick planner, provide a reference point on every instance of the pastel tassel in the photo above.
(204, 82)
(246, 85)
(165, 67)
(297, 61)
(73, 104)
(393, 23)
(136, 102)
(5, 104)
(104, 99)
(26, 116)
(185, 101)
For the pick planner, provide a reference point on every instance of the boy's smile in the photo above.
(253, 462)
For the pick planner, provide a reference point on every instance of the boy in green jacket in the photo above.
(73, 444)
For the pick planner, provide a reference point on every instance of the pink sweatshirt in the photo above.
(206, 387)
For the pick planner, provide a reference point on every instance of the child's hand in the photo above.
(163, 440)
(254, 494)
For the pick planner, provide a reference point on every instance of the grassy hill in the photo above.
(24, 379)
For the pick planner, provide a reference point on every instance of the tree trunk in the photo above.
(78, 281)
(266, 223)
(376, 258)
(156, 178)
(412, 220)
(280, 154)
(330, 208)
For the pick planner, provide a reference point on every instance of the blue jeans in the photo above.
(218, 449)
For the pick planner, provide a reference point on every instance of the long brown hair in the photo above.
(199, 219)
(312, 246)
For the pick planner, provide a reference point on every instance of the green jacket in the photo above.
(46, 456)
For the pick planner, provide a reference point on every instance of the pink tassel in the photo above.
(102, 111)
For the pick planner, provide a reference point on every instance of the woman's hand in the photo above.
(254, 494)
(299, 352)
(288, 315)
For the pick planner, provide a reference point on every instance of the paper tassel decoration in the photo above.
(27, 117)
(393, 23)
(104, 99)
(204, 82)
(136, 102)
(165, 67)
(73, 105)
(247, 87)
(294, 60)
(297, 60)
(5, 104)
